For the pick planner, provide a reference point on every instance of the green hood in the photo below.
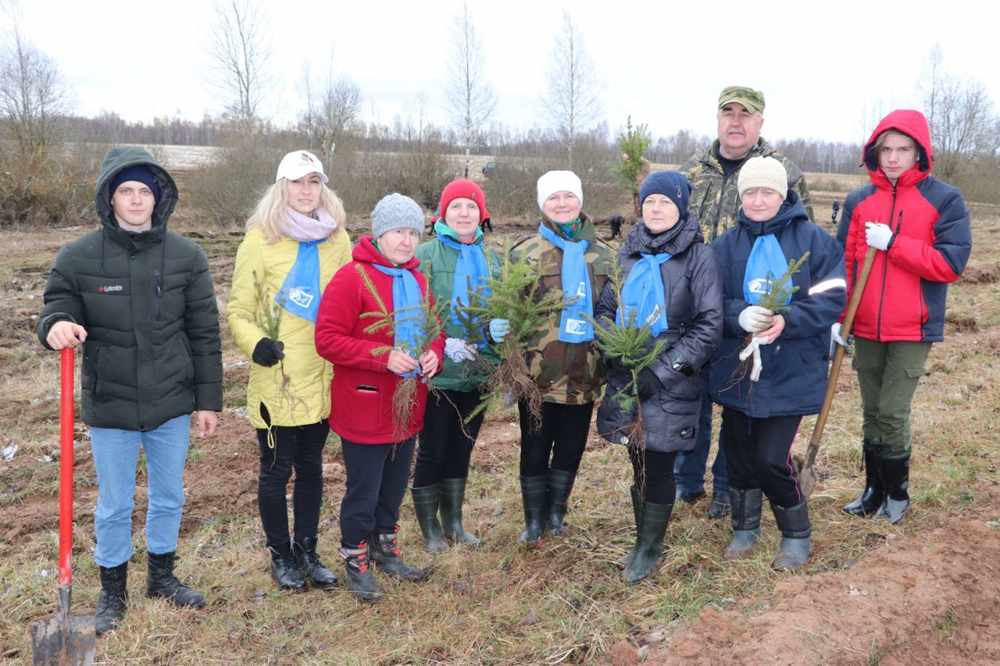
(120, 158)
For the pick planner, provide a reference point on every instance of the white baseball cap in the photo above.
(299, 163)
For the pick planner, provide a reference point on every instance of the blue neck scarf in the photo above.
(644, 296)
(471, 271)
(578, 299)
(300, 293)
(406, 313)
(766, 264)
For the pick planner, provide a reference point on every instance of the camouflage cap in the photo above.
(752, 99)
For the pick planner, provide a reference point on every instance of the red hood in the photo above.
(914, 125)
(365, 251)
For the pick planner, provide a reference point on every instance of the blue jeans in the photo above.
(689, 469)
(116, 454)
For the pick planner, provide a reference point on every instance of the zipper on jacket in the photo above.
(885, 270)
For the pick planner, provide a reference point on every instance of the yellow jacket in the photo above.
(306, 398)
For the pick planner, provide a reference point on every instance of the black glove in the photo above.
(268, 352)
(613, 363)
(648, 384)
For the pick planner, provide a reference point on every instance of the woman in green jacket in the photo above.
(295, 241)
(455, 262)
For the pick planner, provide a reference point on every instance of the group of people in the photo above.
(334, 330)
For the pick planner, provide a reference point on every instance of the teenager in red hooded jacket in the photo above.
(919, 227)
(376, 454)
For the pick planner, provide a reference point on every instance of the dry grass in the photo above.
(563, 603)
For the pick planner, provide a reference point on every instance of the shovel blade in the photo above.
(64, 640)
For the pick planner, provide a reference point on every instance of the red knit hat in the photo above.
(465, 189)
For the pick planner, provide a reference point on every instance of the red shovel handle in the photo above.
(66, 467)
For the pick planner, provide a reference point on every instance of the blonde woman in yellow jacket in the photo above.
(296, 240)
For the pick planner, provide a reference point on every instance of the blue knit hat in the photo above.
(670, 184)
(140, 173)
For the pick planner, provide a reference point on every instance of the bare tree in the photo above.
(961, 117)
(241, 55)
(331, 111)
(572, 101)
(470, 98)
(32, 95)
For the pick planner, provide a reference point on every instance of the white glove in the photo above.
(754, 319)
(458, 350)
(878, 235)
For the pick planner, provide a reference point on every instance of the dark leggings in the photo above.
(376, 483)
(758, 452)
(446, 441)
(562, 435)
(653, 474)
(299, 448)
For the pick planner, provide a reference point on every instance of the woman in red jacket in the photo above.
(376, 454)
(919, 227)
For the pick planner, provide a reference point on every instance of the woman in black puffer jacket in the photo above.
(671, 282)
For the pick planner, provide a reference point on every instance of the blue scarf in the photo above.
(406, 301)
(471, 270)
(643, 294)
(766, 264)
(578, 299)
(300, 293)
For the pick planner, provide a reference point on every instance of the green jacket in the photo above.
(567, 373)
(153, 350)
(714, 198)
(437, 262)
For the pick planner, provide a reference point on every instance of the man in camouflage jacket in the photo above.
(713, 173)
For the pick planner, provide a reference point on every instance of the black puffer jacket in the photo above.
(693, 291)
(153, 350)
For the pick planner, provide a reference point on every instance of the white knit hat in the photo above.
(763, 172)
(559, 181)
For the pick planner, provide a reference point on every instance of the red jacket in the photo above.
(362, 386)
(906, 291)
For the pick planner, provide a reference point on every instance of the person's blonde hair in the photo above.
(273, 206)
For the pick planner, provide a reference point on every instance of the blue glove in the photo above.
(499, 328)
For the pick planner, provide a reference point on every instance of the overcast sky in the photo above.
(828, 70)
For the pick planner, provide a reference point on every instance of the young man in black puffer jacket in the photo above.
(141, 302)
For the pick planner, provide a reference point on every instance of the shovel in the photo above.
(806, 469)
(63, 638)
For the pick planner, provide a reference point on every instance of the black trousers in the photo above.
(376, 483)
(445, 444)
(653, 474)
(562, 436)
(758, 452)
(299, 448)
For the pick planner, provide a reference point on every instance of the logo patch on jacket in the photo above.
(109, 288)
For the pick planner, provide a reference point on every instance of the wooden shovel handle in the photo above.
(838, 357)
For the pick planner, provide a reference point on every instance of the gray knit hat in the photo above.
(395, 211)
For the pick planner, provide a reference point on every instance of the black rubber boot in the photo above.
(384, 551)
(560, 484)
(426, 500)
(649, 543)
(747, 506)
(721, 505)
(896, 477)
(534, 494)
(452, 498)
(637, 512)
(313, 570)
(796, 544)
(360, 579)
(285, 569)
(162, 583)
(873, 495)
(113, 600)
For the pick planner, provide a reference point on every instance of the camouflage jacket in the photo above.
(566, 373)
(714, 199)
